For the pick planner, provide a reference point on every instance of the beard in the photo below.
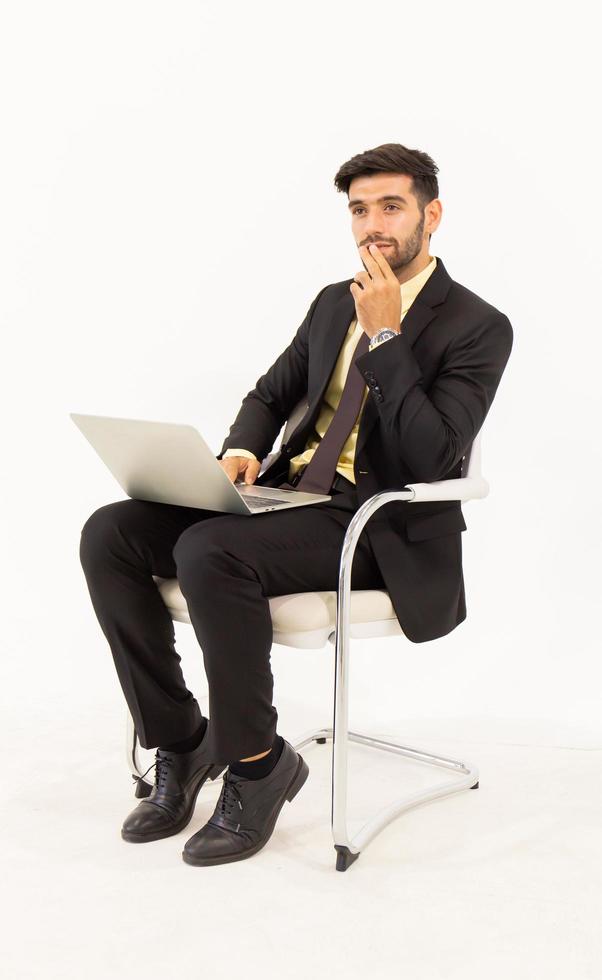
(403, 253)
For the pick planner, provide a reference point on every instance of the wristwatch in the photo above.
(381, 337)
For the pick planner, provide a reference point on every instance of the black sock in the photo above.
(188, 744)
(260, 767)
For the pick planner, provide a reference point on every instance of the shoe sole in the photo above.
(301, 774)
(133, 838)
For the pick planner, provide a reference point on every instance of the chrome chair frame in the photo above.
(465, 775)
(348, 848)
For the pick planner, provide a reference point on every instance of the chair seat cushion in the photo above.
(307, 619)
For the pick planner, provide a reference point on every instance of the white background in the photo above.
(168, 214)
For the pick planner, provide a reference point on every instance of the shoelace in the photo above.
(161, 764)
(229, 798)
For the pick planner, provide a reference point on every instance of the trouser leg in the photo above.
(227, 571)
(122, 546)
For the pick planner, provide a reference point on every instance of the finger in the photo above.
(370, 264)
(252, 470)
(362, 279)
(230, 467)
(363, 261)
(376, 262)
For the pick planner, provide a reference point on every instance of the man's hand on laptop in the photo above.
(241, 466)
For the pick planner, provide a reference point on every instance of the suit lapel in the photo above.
(341, 317)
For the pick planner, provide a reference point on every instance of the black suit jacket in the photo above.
(430, 391)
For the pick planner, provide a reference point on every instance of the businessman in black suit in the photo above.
(400, 365)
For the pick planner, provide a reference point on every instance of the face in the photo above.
(398, 224)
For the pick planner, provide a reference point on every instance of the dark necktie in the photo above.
(319, 473)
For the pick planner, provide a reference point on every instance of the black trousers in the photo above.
(227, 566)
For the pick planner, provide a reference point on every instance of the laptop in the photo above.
(171, 463)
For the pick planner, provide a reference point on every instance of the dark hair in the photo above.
(398, 159)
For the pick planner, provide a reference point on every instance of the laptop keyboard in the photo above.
(254, 502)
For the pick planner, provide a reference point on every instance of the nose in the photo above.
(375, 232)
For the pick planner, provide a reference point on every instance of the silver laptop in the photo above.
(172, 464)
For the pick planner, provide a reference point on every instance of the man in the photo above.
(399, 367)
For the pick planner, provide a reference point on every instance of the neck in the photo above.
(416, 265)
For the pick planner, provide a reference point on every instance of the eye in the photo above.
(355, 210)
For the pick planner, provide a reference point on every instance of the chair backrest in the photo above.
(295, 417)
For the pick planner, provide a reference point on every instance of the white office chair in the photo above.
(308, 620)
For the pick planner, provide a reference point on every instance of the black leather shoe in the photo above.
(169, 808)
(246, 812)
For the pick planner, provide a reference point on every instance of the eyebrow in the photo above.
(387, 197)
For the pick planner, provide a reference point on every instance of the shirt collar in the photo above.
(411, 288)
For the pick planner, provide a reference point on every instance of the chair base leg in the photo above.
(143, 789)
(345, 857)
(465, 776)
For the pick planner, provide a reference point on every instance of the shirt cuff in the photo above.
(239, 452)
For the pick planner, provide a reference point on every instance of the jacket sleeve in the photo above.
(430, 433)
(267, 406)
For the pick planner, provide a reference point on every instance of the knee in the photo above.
(99, 531)
(196, 552)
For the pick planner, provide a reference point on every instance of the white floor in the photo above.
(506, 879)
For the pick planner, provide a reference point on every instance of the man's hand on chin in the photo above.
(235, 466)
(376, 293)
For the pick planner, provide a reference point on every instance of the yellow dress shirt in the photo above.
(332, 395)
